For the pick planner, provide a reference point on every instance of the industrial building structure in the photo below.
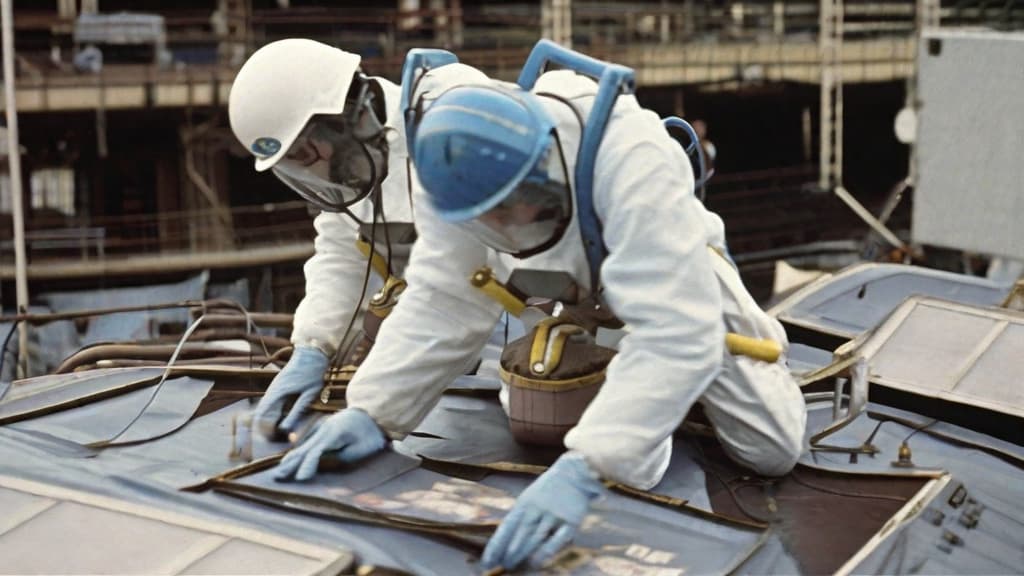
(844, 131)
(132, 174)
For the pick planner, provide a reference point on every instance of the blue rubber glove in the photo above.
(303, 375)
(546, 515)
(351, 433)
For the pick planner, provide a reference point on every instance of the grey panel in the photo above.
(960, 531)
(171, 408)
(918, 548)
(92, 541)
(476, 431)
(473, 430)
(387, 484)
(366, 475)
(802, 359)
(859, 298)
(930, 348)
(151, 473)
(45, 443)
(11, 501)
(970, 137)
(620, 540)
(998, 372)
(621, 534)
(40, 392)
(45, 529)
(950, 351)
(241, 557)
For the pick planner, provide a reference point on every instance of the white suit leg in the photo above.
(758, 413)
(756, 407)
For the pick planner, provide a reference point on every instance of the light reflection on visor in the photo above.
(534, 215)
(336, 162)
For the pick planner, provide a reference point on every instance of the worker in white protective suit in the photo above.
(308, 114)
(497, 165)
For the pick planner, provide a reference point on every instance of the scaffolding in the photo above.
(830, 44)
(715, 44)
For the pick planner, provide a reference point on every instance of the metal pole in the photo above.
(14, 164)
(830, 43)
(563, 26)
(837, 79)
(926, 16)
(869, 218)
(826, 120)
(556, 21)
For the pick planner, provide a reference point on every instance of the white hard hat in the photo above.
(280, 87)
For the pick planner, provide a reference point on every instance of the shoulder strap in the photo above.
(694, 150)
(418, 62)
(613, 80)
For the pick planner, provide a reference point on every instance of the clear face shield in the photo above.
(535, 215)
(338, 160)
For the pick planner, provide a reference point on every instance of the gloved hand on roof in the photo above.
(351, 433)
(546, 515)
(303, 375)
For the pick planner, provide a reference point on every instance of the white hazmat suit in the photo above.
(676, 297)
(334, 274)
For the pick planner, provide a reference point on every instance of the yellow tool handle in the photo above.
(756, 348)
(380, 265)
(484, 280)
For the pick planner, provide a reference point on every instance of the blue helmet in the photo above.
(475, 144)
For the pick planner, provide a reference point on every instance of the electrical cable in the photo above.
(736, 499)
(366, 274)
(871, 436)
(37, 319)
(707, 466)
(3, 355)
(156, 388)
(796, 478)
(276, 356)
(250, 329)
(250, 325)
(920, 428)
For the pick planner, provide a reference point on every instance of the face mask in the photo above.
(534, 215)
(337, 161)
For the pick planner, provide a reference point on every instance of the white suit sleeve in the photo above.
(334, 281)
(439, 80)
(658, 280)
(435, 332)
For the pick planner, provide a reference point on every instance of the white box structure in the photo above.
(969, 192)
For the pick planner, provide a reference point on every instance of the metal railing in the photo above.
(112, 237)
(667, 42)
(761, 209)
(496, 33)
